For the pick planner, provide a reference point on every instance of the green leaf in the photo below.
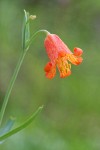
(25, 30)
(22, 126)
(7, 127)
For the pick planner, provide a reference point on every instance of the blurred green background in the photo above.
(70, 119)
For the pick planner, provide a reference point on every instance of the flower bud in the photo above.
(32, 17)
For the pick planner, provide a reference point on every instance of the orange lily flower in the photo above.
(59, 55)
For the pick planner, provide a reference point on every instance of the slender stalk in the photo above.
(10, 86)
(34, 35)
(6, 98)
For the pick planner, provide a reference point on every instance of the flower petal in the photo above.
(50, 70)
(78, 51)
(74, 59)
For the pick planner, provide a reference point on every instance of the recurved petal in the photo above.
(74, 59)
(50, 70)
(78, 51)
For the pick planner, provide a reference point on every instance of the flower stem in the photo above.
(34, 35)
(21, 58)
(11, 85)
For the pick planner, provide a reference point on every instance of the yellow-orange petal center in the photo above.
(63, 67)
(74, 59)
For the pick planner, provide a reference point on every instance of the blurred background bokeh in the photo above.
(70, 119)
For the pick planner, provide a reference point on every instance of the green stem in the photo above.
(11, 85)
(34, 35)
(16, 73)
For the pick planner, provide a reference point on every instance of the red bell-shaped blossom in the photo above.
(59, 55)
